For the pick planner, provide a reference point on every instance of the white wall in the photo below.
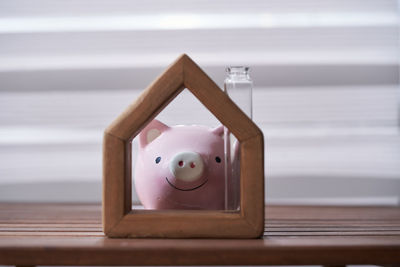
(326, 89)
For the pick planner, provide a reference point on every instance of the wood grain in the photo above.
(114, 181)
(61, 234)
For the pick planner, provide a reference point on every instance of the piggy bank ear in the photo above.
(219, 130)
(153, 130)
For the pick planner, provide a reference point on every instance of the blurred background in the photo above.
(326, 75)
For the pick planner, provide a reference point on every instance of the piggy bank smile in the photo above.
(188, 189)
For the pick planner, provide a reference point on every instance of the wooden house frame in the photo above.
(119, 220)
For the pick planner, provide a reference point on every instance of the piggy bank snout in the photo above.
(187, 166)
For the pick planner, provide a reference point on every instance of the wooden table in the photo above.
(71, 234)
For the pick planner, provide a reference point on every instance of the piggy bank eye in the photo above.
(218, 159)
(158, 159)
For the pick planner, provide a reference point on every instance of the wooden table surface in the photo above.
(71, 234)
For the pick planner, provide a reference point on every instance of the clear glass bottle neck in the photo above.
(238, 72)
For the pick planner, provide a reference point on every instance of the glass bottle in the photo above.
(239, 87)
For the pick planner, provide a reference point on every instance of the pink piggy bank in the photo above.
(180, 167)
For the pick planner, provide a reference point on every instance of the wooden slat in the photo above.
(51, 233)
(336, 233)
(68, 234)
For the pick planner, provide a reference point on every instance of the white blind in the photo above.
(326, 89)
